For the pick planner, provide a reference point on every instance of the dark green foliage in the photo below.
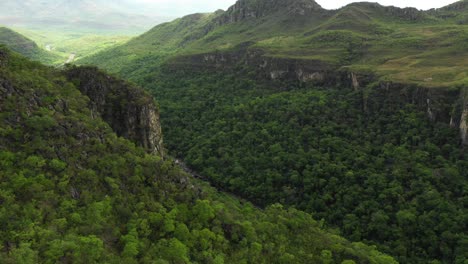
(71, 191)
(367, 162)
(385, 175)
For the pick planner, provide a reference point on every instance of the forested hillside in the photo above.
(71, 191)
(25, 46)
(357, 115)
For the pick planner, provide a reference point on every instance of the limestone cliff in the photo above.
(443, 105)
(130, 111)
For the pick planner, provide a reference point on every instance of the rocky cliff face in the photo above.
(3, 56)
(457, 6)
(245, 9)
(464, 117)
(448, 106)
(131, 112)
(408, 13)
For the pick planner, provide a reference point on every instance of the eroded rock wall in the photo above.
(440, 104)
(129, 110)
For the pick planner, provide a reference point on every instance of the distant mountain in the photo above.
(78, 15)
(24, 46)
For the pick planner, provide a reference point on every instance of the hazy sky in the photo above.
(184, 7)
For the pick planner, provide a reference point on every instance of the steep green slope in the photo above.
(73, 192)
(25, 46)
(151, 47)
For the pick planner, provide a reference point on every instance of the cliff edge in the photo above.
(129, 110)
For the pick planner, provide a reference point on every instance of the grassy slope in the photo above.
(426, 48)
(161, 41)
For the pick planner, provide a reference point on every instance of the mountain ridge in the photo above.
(244, 9)
(286, 35)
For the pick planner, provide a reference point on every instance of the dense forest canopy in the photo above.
(340, 135)
(354, 115)
(71, 191)
(386, 175)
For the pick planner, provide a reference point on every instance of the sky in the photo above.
(177, 8)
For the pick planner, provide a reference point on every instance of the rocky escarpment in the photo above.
(457, 6)
(464, 117)
(245, 9)
(448, 106)
(130, 111)
(3, 57)
(408, 13)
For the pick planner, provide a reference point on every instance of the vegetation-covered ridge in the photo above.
(25, 46)
(71, 191)
(404, 45)
(129, 110)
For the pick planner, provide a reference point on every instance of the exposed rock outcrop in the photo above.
(457, 6)
(408, 13)
(6, 89)
(130, 111)
(3, 56)
(245, 9)
(272, 68)
(439, 104)
(464, 117)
